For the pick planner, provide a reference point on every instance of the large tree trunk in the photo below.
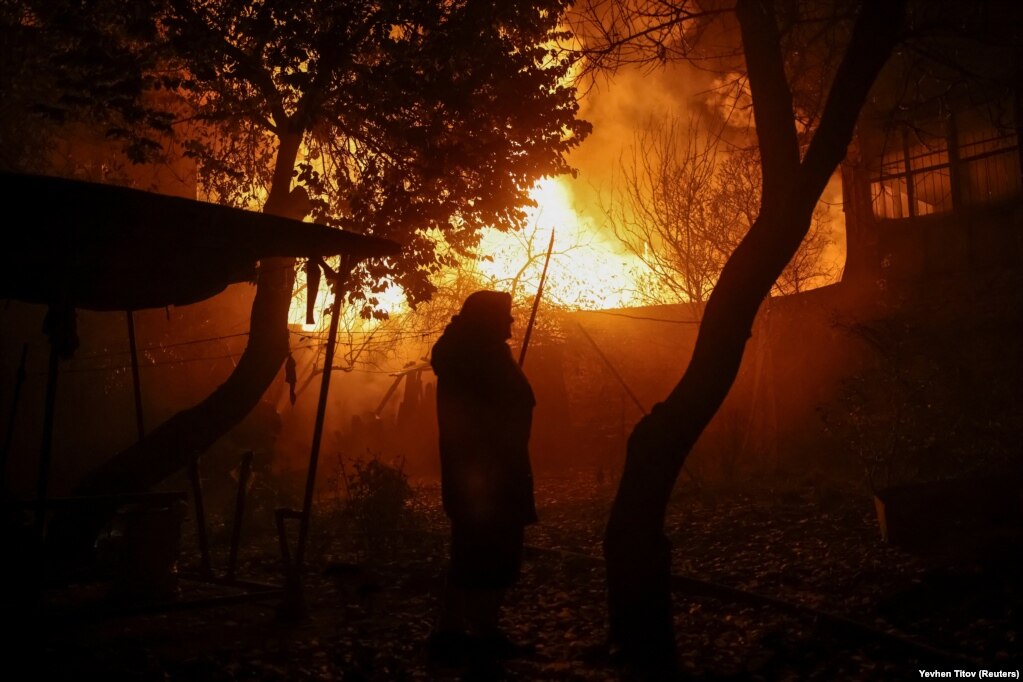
(177, 442)
(180, 440)
(636, 550)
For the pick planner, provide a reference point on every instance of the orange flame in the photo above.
(587, 270)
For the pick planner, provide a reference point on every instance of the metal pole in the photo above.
(19, 381)
(244, 473)
(536, 302)
(295, 574)
(136, 383)
(46, 450)
(205, 563)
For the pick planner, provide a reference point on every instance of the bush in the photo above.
(925, 410)
(378, 496)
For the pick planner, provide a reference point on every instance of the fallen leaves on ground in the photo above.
(371, 601)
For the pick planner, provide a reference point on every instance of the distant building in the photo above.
(933, 185)
(907, 369)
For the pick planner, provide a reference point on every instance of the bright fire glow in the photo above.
(391, 299)
(586, 271)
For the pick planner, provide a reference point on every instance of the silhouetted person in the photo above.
(484, 411)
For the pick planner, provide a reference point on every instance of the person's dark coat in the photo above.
(484, 409)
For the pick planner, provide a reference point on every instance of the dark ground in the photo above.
(372, 599)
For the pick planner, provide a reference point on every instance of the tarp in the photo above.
(105, 247)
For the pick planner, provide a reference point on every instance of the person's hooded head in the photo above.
(486, 314)
(484, 321)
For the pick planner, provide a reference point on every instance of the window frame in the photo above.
(903, 204)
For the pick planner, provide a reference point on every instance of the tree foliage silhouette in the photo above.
(418, 121)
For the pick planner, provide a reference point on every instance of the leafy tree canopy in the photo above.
(419, 121)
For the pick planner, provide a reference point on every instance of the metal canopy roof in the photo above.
(105, 247)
